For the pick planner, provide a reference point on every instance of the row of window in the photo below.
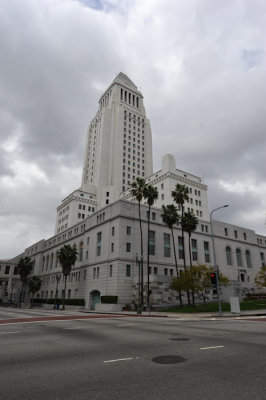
(7, 270)
(129, 98)
(239, 258)
(83, 207)
(64, 210)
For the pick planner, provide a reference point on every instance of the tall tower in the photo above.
(119, 144)
(118, 150)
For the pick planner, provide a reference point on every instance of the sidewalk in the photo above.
(226, 314)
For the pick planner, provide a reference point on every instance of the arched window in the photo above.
(239, 258)
(52, 261)
(81, 251)
(47, 261)
(248, 259)
(228, 256)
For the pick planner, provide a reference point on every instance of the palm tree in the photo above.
(24, 268)
(150, 194)
(34, 284)
(189, 224)
(137, 191)
(180, 196)
(170, 217)
(67, 257)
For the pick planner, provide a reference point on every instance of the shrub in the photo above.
(109, 299)
(69, 302)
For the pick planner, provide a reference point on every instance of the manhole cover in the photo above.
(168, 359)
(179, 339)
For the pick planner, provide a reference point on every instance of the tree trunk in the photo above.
(190, 261)
(179, 292)
(64, 297)
(184, 254)
(148, 262)
(141, 256)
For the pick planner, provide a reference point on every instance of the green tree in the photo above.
(137, 190)
(170, 217)
(189, 224)
(150, 193)
(67, 257)
(260, 278)
(180, 196)
(34, 284)
(24, 269)
(198, 277)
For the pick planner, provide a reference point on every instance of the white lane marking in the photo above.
(8, 333)
(213, 347)
(119, 359)
(126, 325)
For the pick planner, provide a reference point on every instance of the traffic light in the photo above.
(214, 279)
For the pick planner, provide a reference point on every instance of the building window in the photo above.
(166, 245)
(207, 252)
(248, 259)
(180, 247)
(165, 271)
(110, 270)
(128, 270)
(228, 256)
(81, 251)
(94, 273)
(194, 250)
(235, 233)
(245, 235)
(153, 216)
(262, 259)
(152, 243)
(128, 230)
(112, 247)
(99, 243)
(155, 270)
(7, 269)
(239, 258)
(113, 230)
(226, 231)
(128, 247)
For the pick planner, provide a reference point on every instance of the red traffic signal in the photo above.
(213, 279)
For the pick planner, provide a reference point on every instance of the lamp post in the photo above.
(140, 284)
(57, 277)
(214, 256)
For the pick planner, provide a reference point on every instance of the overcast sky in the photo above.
(200, 65)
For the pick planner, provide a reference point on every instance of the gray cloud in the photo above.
(201, 67)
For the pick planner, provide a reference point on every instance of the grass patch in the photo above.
(247, 304)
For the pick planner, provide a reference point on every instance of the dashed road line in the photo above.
(119, 359)
(211, 347)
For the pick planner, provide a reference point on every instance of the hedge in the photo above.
(109, 299)
(68, 302)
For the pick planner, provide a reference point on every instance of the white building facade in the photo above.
(101, 219)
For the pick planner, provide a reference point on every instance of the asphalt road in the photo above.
(115, 358)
